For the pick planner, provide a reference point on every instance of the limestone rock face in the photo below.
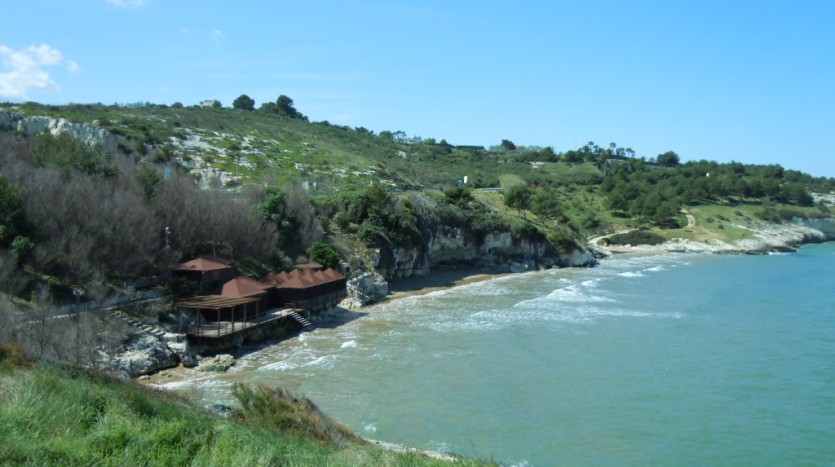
(368, 287)
(142, 355)
(577, 258)
(89, 134)
(448, 246)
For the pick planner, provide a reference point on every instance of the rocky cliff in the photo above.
(90, 134)
(447, 246)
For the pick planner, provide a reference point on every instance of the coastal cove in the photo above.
(645, 359)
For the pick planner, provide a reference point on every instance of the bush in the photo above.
(518, 196)
(322, 253)
(636, 237)
(459, 196)
(526, 231)
(13, 356)
(562, 241)
(546, 204)
(277, 408)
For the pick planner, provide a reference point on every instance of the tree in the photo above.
(244, 102)
(518, 196)
(572, 157)
(546, 204)
(282, 106)
(459, 196)
(322, 253)
(11, 212)
(507, 145)
(668, 159)
(285, 106)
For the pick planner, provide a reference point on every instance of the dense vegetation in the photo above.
(85, 219)
(54, 415)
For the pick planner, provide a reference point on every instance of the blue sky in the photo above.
(720, 80)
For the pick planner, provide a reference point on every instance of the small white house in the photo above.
(209, 103)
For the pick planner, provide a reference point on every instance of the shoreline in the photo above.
(446, 279)
(768, 239)
(442, 279)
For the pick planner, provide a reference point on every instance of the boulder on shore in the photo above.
(366, 288)
(142, 355)
(219, 363)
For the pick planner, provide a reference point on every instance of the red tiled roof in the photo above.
(205, 263)
(243, 287)
(293, 283)
(302, 279)
(332, 274)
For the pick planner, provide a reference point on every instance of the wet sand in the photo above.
(439, 280)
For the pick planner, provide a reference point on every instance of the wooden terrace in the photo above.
(225, 310)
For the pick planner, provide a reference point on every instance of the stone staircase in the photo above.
(174, 341)
(300, 319)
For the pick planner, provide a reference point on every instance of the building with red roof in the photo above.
(207, 271)
(308, 288)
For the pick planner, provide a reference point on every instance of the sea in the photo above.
(668, 359)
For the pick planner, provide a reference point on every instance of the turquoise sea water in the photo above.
(644, 360)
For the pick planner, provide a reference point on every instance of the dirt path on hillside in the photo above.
(691, 220)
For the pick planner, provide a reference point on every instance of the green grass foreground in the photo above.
(55, 415)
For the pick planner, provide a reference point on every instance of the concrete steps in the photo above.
(300, 319)
(149, 327)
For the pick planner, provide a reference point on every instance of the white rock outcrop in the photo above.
(89, 134)
(366, 288)
(142, 355)
(218, 363)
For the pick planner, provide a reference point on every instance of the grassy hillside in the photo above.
(53, 415)
(279, 184)
(263, 158)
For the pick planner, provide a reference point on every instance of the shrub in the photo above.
(636, 237)
(562, 241)
(278, 408)
(518, 196)
(323, 254)
(526, 231)
(459, 196)
(13, 356)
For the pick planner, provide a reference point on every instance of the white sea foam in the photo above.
(442, 447)
(279, 366)
(370, 428)
(326, 361)
(204, 382)
(631, 274)
(348, 345)
(574, 294)
(656, 269)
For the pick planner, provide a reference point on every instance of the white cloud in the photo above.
(73, 67)
(127, 3)
(25, 70)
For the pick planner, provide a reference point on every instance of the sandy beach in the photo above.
(438, 280)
